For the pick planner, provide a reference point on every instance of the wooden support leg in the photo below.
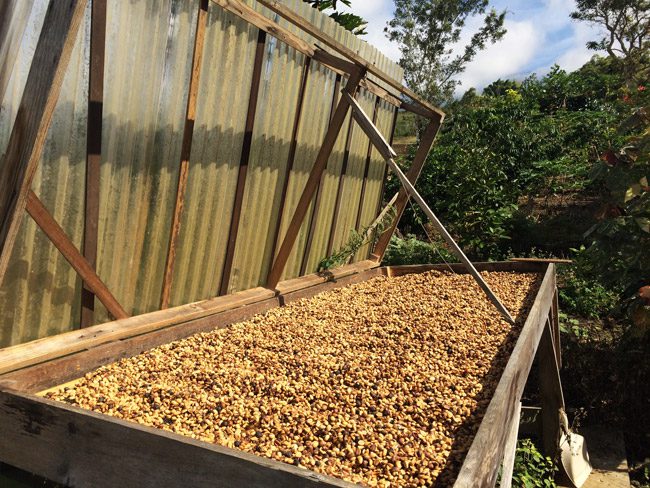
(93, 150)
(55, 233)
(550, 386)
(426, 142)
(510, 450)
(387, 152)
(186, 151)
(34, 116)
(314, 178)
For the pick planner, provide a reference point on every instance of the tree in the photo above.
(353, 23)
(428, 32)
(627, 26)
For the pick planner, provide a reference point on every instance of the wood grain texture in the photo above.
(243, 164)
(41, 350)
(186, 151)
(329, 41)
(69, 367)
(34, 116)
(482, 462)
(62, 242)
(413, 174)
(93, 150)
(83, 449)
(312, 184)
(510, 450)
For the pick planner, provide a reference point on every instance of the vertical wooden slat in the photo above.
(93, 150)
(34, 116)
(62, 242)
(339, 189)
(366, 170)
(311, 230)
(550, 386)
(314, 178)
(186, 152)
(413, 174)
(292, 151)
(243, 165)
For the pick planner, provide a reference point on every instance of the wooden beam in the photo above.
(426, 142)
(62, 242)
(484, 457)
(340, 64)
(329, 41)
(314, 179)
(41, 350)
(34, 116)
(14, 15)
(186, 152)
(80, 448)
(543, 260)
(366, 169)
(510, 450)
(313, 218)
(292, 151)
(387, 152)
(550, 386)
(93, 150)
(243, 163)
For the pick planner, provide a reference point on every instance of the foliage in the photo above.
(585, 296)
(427, 30)
(353, 23)
(357, 240)
(411, 250)
(532, 469)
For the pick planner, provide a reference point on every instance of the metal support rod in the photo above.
(387, 152)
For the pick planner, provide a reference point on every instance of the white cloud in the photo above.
(504, 59)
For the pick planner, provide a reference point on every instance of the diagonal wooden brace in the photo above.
(388, 154)
(62, 242)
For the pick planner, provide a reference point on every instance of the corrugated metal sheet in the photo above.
(148, 62)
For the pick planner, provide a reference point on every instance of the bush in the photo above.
(583, 296)
(532, 469)
(413, 251)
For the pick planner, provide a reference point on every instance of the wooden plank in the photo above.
(243, 163)
(311, 226)
(34, 116)
(14, 15)
(186, 152)
(555, 317)
(387, 152)
(291, 159)
(543, 260)
(332, 61)
(366, 169)
(550, 386)
(93, 150)
(61, 369)
(510, 450)
(329, 41)
(482, 462)
(339, 188)
(41, 350)
(459, 268)
(79, 448)
(426, 142)
(62, 242)
(314, 179)
(416, 109)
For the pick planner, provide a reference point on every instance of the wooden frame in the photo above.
(80, 448)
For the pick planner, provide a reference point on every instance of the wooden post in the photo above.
(314, 178)
(426, 142)
(555, 320)
(93, 150)
(34, 116)
(292, 151)
(62, 242)
(550, 387)
(186, 152)
(510, 450)
(243, 164)
(366, 170)
(387, 152)
(316, 207)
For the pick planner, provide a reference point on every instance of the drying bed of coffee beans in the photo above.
(381, 383)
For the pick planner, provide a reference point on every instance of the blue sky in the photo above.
(540, 34)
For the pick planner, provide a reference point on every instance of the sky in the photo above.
(540, 34)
